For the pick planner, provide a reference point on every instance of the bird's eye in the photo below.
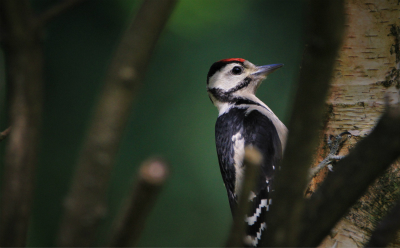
(237, 70)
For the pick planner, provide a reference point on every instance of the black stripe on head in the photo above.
(243, 101)
(222, 96)
(220, 64)
(225, 96)
(240, 86)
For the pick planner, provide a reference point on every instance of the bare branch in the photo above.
(58, 9)
(85, 205)
(152, 176)
(387, 229)
(335, 147)
(5, 133)
(352, 176)
(252, 162)
(325, 32)
(24, 64)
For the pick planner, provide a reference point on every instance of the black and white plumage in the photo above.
(245, 120)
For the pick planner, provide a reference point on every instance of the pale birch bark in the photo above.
(366, 70)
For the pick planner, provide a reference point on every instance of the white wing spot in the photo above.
(250, 240)
(238, 148)
(262, 227)
(251, 220)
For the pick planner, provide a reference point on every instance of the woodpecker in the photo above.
(245, 120)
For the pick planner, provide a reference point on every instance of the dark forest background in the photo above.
(172, 116)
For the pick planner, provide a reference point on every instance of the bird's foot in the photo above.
(334, 146)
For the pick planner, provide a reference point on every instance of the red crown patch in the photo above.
(232, 60)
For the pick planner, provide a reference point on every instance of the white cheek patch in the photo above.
(224, 80)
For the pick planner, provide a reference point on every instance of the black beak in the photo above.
(264, 70)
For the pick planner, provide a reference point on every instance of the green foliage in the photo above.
(194, 18)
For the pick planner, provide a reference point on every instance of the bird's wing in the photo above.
(260, 132)
(234, 130)
(225, 129)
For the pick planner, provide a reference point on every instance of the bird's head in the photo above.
(230, 79)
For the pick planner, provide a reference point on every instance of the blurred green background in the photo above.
(172, 116)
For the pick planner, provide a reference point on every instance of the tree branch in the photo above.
(5, 133)
(24, 64)
(334, 149)
(85, 204)
(387, 229)
(152, 176)
(252, 162)
(325, 32)
(57, 10)
(352, 176)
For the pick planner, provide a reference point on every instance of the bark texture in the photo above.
(366, 75)
(324, 35)
(21, 43)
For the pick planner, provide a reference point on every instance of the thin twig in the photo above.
(340, 190)
(22, 48)
(252, 162)
(387, 229)
(152, 176)
(325, 32)
(5, 133)
(85, 204)
(334, 149)
(57, 10)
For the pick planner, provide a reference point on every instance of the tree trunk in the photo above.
(366, 71)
